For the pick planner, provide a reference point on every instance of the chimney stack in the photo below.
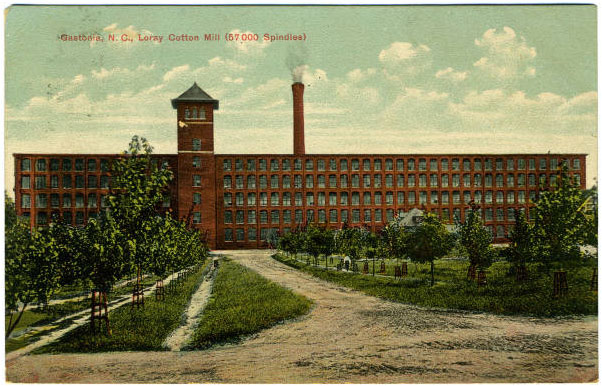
(298, 126)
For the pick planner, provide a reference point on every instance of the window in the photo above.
(500, 231)
(298, 165)
(399, 164)
(227, 182)
(298, 216)
(196, 198)
(274, 181)
(251, 199)
(286, 181)
(275, 216)
(389, 180)
(309, 181)
(227, 165)
(400, 180)
(355, 164)
(332, 181)
(367, 198)
(40, 182)
(434, 198)
(499, 180)
(532, 179)
(388, 164)
(355, 198)
(422, 198)
(251, 217)
(509, 164)
(355, 181)
(390, 214)
(478, 196)
(309, 164)
(366, 180)
(344, 165)
(411, 198)
(378, 180)
(286, 216)
(240, 199)
(321, 216)
(576, 164)
(499, 197)
(79, 200)
(332, 198)
(499, 164)
(456, 197)
(389, 198)
(66, 200)
(378, 164)
(196, 144)
(310, 215)
(466, 180)
(444, 164)
(445, 214)
(344, 198)
(263, 199)
(542, 164)
(92, 182)
(274, 165)
(455, 180)
(263, 182)
(378, 198)
(477, 164)
(79, 165)
(422, 164)
(577, 179)
(25, 165)
(366, 165)
(91, 165)
(344, 181)
(321, 165)
(444, 180)
(466, 165)
(42, 218)
(227, 199)
(298, 181)
(411, 180)
(228, 235)
(239, 182)
(79, 181)
(401, 198)
(92, 200)
(25, 201)
(263, 216)
(251, 182)
(250, 165)
(521, 196)
(333, 216)
(344, 215)
(286, 164)
(25, 182)
(196, 162)
(286, 198)
(309, 199)
(367, 217)
(298, 199)
(445, 198)
(478, 180)
(455, 164)
(433, 181)
(240, 217)
(489, 197)
(321, 181)
(422, 180)
(41, 165)
(510, 180)
(275, 199)
(355, 215)
(531, 164)
(542, 179)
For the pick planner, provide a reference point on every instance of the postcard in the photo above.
(301, 194)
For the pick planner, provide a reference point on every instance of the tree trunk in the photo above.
(432, 273)
(12, 327)
(372, 266)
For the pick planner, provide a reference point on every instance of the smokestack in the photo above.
(298, 126)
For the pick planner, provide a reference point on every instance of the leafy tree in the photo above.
(521, 249)
(560, 223)
(475, 239)
(31, 268)
(428, 241)
(318, 241)
(393, 239)
(138, 187)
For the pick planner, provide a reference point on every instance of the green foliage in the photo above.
(475, 239)
(292, 242)
(502, 295)
(429, 241)
(560, 223)
(318, 241)
(139, 329)
(244, 303)
(393, 239)
(10, 212)
(522, 247)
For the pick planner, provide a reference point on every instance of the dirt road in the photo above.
(351, 337)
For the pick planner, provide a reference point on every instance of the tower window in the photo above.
(201, 113)
(196, 144)
(193, 113)
(187, 114)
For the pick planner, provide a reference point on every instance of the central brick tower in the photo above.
(196, 161)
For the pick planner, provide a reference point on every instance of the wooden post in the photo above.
(593, 286)
(366, 268)
(159, 290)
(482, 279)
(561, 287)
(404, 269)
(397, 272)
(382, 267)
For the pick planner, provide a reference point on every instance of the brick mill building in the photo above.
(237, 199)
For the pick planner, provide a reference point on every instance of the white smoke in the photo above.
(296, 62)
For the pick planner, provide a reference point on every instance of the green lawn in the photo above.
(243, 302)
(141, 329)
(502, 295)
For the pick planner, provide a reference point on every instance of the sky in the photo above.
(379, 79)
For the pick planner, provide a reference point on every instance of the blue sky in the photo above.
(402, 79)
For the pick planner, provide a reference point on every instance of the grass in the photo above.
(244, 303)
(134, 329)
(39, 316)
(501, 295)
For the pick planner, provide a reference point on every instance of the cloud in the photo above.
(507, 55)
(359, 75)
(244, 43)
(228, 79)
(175, 72)
(402, 59)
(451, 74)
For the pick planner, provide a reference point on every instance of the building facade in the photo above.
(237, 200)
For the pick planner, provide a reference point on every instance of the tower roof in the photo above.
(195, 94)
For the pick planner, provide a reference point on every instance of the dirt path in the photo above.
(181, 335)
(351, 337)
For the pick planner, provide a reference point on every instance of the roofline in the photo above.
(311, 155)
(175, 101)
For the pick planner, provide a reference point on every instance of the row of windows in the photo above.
(66, 182)
(194, 113)
(78, 164)
(369, 215)
(42, 218)
(433, 164)
(42, 200)
(376, 180)
(376, 198)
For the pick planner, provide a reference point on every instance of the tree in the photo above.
(393, 238)
(31, 268)
(521, 249)
(428, 241)
(475, 239)
(560, 223)
(318, 241)
(138, 187)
